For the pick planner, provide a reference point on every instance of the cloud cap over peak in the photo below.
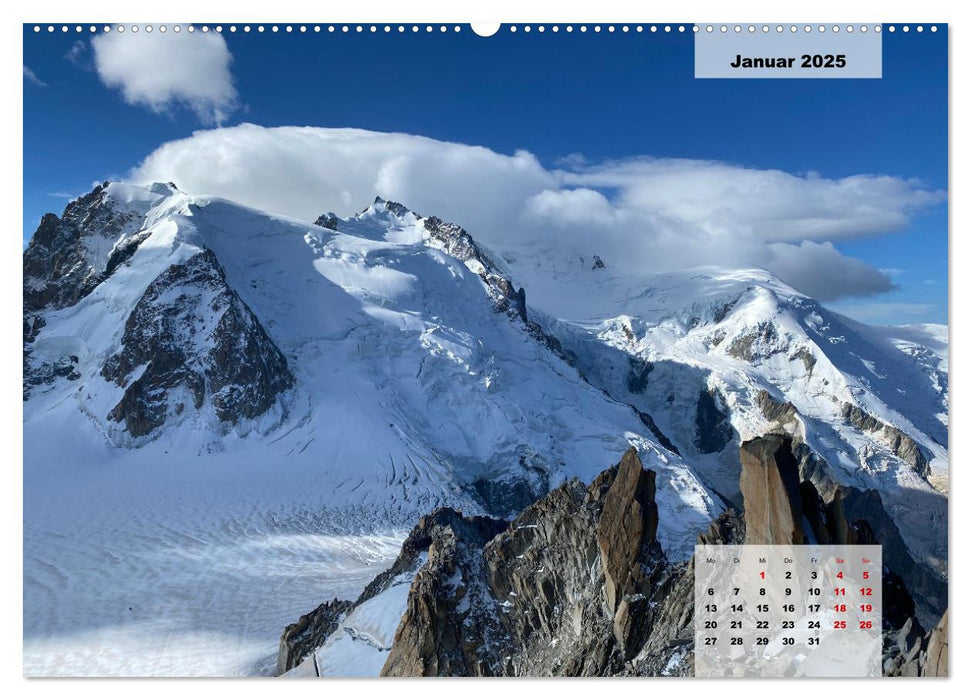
(162, 71)
(644, 214)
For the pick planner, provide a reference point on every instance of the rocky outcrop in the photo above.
(191, 337)
(569, 588)
(757, 344)
(300, 639)
(899, 443)
(628, 522)
(63, 261)
(430, 559)
(779, 413)
(807, 358)
(771, 492)
(649, 423)
(456, 241)
(935, 663)
(431, 639)
(576, 585)
(910, 652)
(328, 221)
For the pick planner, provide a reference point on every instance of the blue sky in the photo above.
(607, 97)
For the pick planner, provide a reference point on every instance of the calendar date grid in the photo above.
(787, 611)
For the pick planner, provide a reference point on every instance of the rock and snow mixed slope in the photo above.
(577, 584)
(220, 402)
(719, 357)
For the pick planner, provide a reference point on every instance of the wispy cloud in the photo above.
(79, 55)
(164, 71)
(31, 77)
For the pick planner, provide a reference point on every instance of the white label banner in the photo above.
(846, 53)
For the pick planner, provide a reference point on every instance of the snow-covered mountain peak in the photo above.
(385, 346)
(354, 373)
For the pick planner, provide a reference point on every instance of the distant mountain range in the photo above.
(388, 364)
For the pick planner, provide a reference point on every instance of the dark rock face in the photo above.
(722, 311)
(779, 412)
(195, 338)
(37, 374)
(713, 430)
(328, 220)
(509, 494)
(900, 444)
(649, 423)
(300, 639)
(123, 251)
(60, 268)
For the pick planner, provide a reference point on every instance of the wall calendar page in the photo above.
(551, 349)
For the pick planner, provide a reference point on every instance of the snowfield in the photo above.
(151, 566)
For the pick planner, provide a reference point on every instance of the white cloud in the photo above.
(649, 215)
(771, 204)
(161, 71)
(31, 77)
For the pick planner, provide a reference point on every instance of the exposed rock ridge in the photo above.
(457, 242)
(189, 337)
(577, 584)
(62, 261)
(65, 260)
(901, 444)
(435, 534)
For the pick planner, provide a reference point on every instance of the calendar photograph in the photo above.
(525, 350)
